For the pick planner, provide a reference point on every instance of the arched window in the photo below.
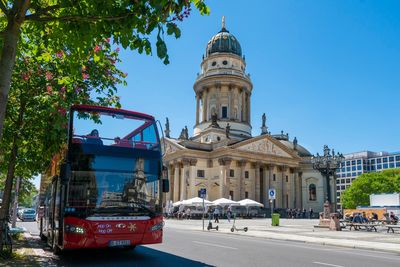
(312, 192)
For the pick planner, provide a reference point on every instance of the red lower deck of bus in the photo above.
(97, 232)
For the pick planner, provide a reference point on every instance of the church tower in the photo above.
(223, 91)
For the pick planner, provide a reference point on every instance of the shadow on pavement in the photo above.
(140, 256)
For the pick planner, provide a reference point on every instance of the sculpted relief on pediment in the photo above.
(265, 147)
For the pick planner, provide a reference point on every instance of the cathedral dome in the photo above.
(223, 42)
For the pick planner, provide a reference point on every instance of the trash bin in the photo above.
(275, 219)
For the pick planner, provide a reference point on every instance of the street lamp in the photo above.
(327, 165)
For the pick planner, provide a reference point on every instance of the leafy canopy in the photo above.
(387, 181)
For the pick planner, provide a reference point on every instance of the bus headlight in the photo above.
(69, 228)
(157, 226)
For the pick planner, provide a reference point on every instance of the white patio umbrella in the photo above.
(250, 203)
(195, 201)
(178, 203)
(224, 202)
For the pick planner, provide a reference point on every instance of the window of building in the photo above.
(231, 173)
(225, 62)
(224, 112)
(200, 173)
(246, 194)
(397, 164)
(379, 167)
(338, 187)
(348, 163)
(274, 177)
(338, 205)
(343, 169)
(343, 175)
(391, 159)
(359, 167)
(359, 173)
(246, 174)
(372, 168)
(372, 161)
(397, 158)
(348, 180)
(343, 181)
(391, 165)
(348, 174)
(385, 159)
(359, 161)
(353, 162)
(343, 187)
(353, 168)
(214, 63)
(338, 181)
(353, 174)
(348, 169)
(379, 161)
(385, 166)
(287, 178)
(312, 192)
(231, 194)
(338, 194)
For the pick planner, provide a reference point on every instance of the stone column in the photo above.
(284, 187)
(184, 178)
(242, 184)
(209, 178)
(257, 181)
(243, 108)
(252, 178)
(170, 194)
(192, 175)
(176, 181)
(205, 105)
(248, 108)
(224, 181)
(197, 107)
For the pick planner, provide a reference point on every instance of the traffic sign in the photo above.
(271, 193)
(203, 192)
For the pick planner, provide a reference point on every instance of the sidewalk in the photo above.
(301, 230)
(27, 251)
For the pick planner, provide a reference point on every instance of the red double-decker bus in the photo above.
(105, 189)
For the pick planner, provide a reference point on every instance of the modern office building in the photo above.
(358, 163)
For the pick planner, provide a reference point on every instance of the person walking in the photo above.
(311, 213)
(216, 215)
(229, 214)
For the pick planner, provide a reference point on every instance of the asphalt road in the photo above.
(184, 248)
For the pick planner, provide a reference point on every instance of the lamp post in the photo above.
(327, 165)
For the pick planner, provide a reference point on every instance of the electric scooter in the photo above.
(210, 227)
(237, 229)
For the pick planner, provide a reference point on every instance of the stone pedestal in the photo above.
(334, 224)
(324, 217)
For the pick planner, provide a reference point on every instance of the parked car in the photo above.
(28, 215)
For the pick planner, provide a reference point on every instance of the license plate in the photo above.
(115, 243)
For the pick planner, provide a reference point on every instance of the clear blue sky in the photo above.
(327, 72)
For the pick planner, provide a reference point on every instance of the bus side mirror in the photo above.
(165, 185)
(65, 172)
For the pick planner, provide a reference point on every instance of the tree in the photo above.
(76, 24)
(387, 181)
(44, 86)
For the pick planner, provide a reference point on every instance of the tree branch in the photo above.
(38, 17)
(41, 11)
(3, 7)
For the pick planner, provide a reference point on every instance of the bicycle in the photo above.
(7, 239)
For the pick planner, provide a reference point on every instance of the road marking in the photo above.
(327, 264)
(213, 245)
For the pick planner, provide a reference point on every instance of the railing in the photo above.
(223, 72)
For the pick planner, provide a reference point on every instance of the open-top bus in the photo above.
(105, 189)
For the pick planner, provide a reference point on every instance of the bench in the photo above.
(366, 226)
(392, 227)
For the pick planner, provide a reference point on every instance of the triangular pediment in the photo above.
(170, 146)
(265, 145)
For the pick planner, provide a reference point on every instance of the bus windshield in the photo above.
(115, 165)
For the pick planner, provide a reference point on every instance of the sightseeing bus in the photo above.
(105, 189)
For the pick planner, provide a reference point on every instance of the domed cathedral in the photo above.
(222, 156)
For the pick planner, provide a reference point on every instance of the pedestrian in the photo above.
(304, 213)
(216, 215)
(311, 213)
(188, 213)
(229, 213)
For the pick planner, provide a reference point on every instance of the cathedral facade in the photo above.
(222, 156)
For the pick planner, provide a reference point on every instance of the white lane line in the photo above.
(327, 264)
(212, 245)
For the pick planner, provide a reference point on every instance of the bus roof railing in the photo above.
(112, 110)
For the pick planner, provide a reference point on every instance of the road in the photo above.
(184, 248)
